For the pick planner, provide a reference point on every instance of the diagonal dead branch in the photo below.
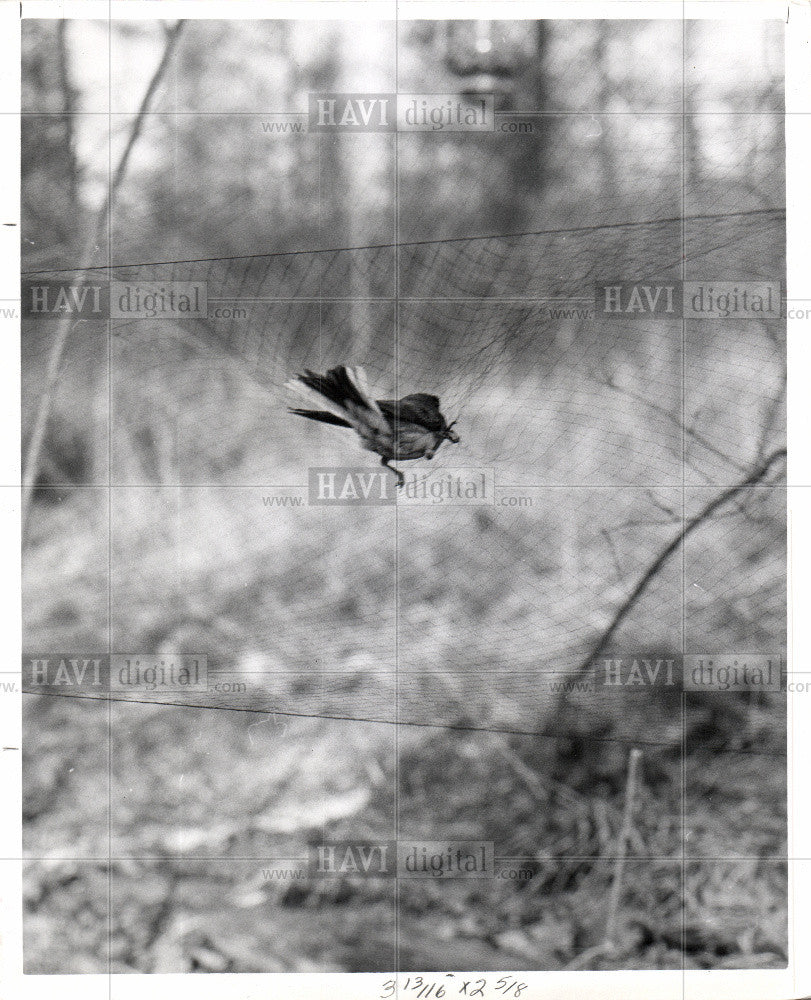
(33, 452)
(758, 474)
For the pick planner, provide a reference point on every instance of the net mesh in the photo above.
(604, 435)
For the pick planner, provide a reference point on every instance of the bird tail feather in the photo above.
(323, 415)
(314, 398)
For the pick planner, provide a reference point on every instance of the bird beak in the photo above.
(452, 436)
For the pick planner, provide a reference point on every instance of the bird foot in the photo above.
(400, 476)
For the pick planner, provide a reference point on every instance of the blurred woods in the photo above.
(604, 101)
(623, 150)
(605, 130)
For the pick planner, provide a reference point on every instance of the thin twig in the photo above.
(622, 848)
(67, 323)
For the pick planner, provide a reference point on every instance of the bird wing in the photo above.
(418, 408)
(358, 377)
(369, 420)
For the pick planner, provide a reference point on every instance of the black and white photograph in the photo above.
(403, 501)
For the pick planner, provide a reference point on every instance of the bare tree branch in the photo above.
(773, 412)
(68, 108)
(172, 36)
(67, 323)
(675, 419)
(757, 475)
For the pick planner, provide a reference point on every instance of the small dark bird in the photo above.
(396, 429)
